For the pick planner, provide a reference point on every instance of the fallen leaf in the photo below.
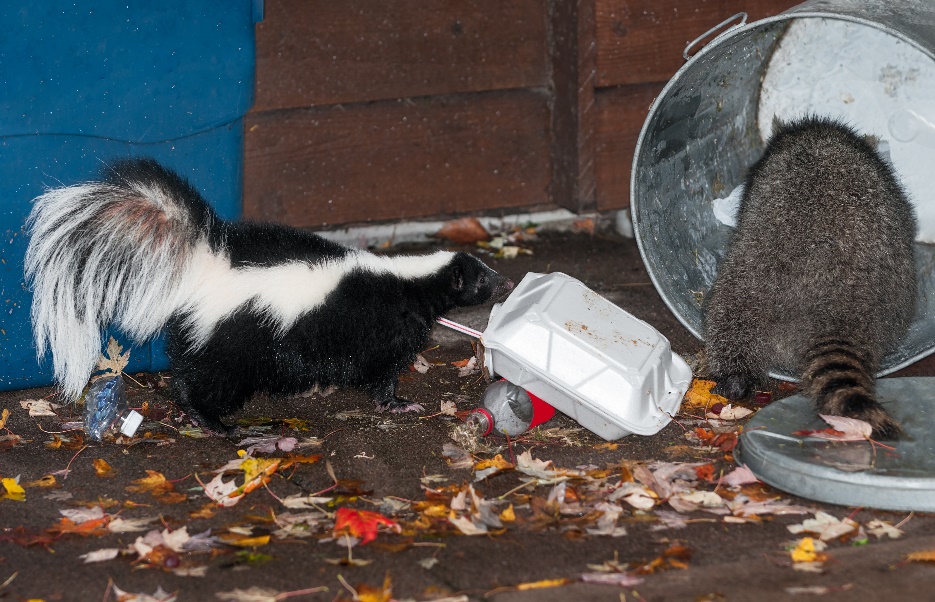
(618, 579)
(263, 594)
(486, 468)
(46, 481)
(808, 550)
(159, 596)
(739, 476)
(366, 593)
(114, 362)
(826, 526)
(102, 468)
(13, 490)
(467, 369)
(700, 395)
(730, 413)
(361, 523)
(543, 584)
(38, 407)
(421, 365)
(842, 429)
(128, 525)
(100, 555)
(4, 415)
(882, 529)
(223, 493)
(464, 231)
(922, 556)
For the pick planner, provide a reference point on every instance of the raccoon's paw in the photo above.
(735, 387)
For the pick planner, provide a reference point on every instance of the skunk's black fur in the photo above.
(249, 307)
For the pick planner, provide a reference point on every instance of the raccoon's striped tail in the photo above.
(839, 376)
(107, 252)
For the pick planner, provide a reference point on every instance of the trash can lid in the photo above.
(897, 475)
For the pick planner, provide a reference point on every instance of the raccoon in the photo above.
(819, 277)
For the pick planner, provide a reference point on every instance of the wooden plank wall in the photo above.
(373, 111)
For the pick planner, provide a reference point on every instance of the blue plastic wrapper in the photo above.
(104, 404)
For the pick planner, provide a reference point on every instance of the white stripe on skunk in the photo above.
(250, 307)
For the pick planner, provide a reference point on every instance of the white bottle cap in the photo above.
(132, 422)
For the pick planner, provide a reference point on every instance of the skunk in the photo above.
(248, 307)
(819, 277)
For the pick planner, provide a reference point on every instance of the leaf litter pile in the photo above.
(321, 498)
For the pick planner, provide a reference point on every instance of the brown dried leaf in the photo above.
(115, 362)
(464, 231)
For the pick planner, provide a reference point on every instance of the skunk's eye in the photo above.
(482, 281)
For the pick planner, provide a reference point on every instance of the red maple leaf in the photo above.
(361, 523)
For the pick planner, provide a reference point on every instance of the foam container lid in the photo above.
(613, 373)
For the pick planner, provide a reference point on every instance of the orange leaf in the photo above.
(923, 556)
(153, 481)
(700, 395)
(497, 461)
(464, 231)
(95, 527)
(705, 472)
(103, 469)
(362, 524)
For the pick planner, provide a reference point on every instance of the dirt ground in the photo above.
(544, 542)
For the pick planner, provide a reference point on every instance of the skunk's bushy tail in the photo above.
(107, 252)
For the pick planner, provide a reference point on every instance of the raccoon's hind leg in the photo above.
(838, 375)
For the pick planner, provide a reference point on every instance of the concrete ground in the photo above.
(535, 540)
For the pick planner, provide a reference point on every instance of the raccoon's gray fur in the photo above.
(819, 278)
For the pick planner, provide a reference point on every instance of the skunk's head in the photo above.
(472, 282)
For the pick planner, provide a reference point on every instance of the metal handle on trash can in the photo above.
(743, 21)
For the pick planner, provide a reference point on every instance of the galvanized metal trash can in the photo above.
(870, 63)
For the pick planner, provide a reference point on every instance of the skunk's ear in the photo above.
(457, 278)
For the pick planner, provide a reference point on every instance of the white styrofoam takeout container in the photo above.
(613, 373)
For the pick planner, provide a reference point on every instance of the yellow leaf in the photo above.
(804, 551)
(103, 468)
(3, 417)
(508, 515)
(297, 424)
(700, 395)
(14, 491)
(248, 542)
(543, 584)
(924, 556)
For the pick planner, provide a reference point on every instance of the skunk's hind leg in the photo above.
(385, 396)
(207, 420)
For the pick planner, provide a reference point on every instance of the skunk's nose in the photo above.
(503, 289)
